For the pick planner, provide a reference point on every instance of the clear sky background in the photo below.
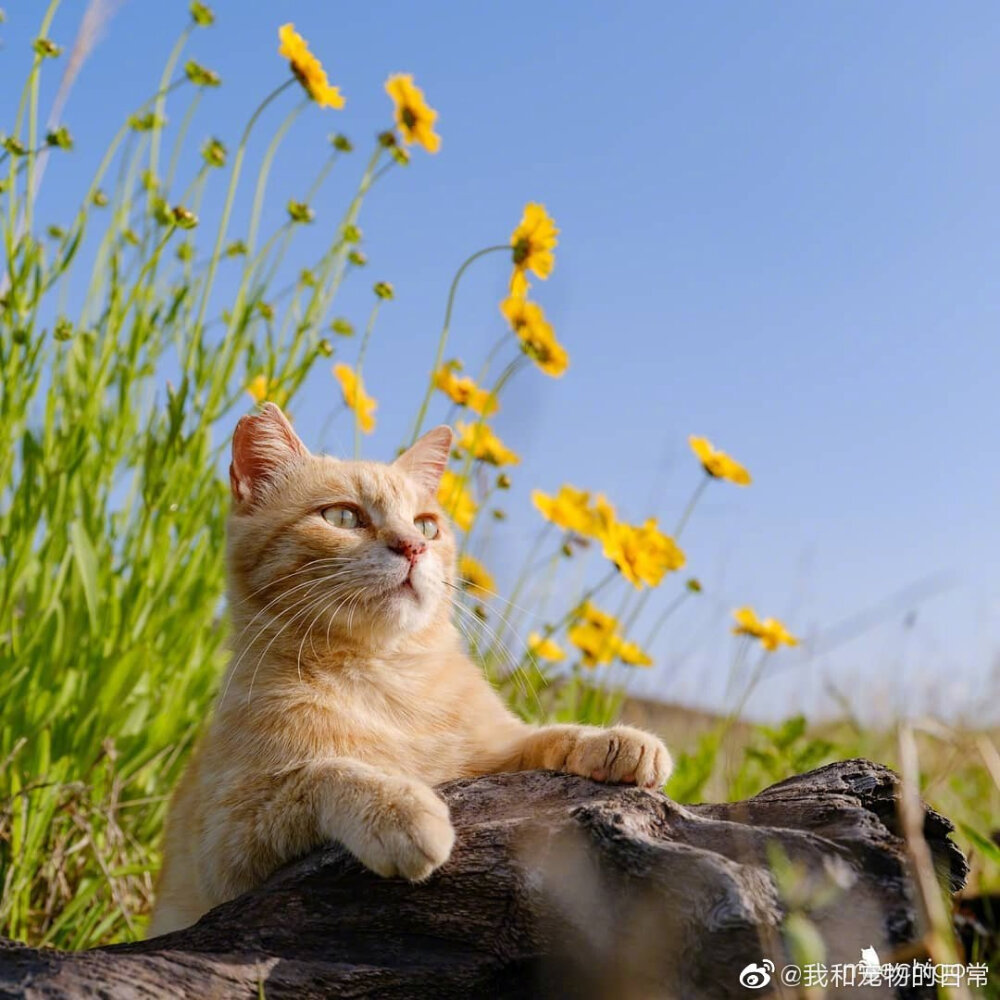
(779, 229)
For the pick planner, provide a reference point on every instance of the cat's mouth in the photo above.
(406, 587)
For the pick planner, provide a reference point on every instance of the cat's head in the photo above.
(324, 548)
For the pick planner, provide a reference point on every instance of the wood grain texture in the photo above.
(558, 886)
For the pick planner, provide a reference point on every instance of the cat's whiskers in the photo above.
(281, 579)
(310, 603)
(517, 673)
(309, 587)
(324, 609)
(458, 590)
(277, 598)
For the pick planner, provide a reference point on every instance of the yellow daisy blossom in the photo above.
(414, 117)
(596, 645)
(770, 631)
(569, 508)
(260, 389)
(463, 390)
(717, 463)
(602, 517)
(634, 655)
(597, 635)
(474, 577)
(593, 615)
(355, 397)
(532, 243)
(456, 500)
(545, 649)
(307, 68)
(642, 553)
(481, 443)
(538, 339)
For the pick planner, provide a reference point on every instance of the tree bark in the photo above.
(557, 887)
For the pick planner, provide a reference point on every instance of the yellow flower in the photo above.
(355, 396)
(602, 517)
(596, 645)
(594, 616)
(538, 339)
(532, 244)
(463, 390)
(456, 500)
(545, 649)
(569, 509)
(475, 578)
(414, 117)
(261, 389)
(481, 443)
(770, 631)
(717, 463)
(642, 553)
(597, 636)
(258, 388)
(634, 655)
(307, 68)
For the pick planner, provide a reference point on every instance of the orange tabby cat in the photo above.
(349, 695)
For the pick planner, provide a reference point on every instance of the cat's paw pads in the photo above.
(411, 835)
(621, 754)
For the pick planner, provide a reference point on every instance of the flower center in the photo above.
(522, 250)
(409, 117)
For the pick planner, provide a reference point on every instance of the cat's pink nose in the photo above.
(410, 548)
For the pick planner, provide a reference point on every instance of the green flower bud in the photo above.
(59, 137)
(201, 76)
(300, 212)
(202, 14)
(46, 48)
(214, 153)
(184, 218)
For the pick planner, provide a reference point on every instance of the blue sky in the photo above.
(779, 229)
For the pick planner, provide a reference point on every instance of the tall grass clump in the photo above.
(130, 339)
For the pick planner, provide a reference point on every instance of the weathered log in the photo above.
(558, 886)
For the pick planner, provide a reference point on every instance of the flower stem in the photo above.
(692, 503)
(360, 364)
(666, 613)
(443, 339)
(230, 196)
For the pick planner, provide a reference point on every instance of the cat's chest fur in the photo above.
(416, 715)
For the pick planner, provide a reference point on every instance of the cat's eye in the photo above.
(427, 526)
(342, 517)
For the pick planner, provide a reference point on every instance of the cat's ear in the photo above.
(426, 458)
(263, 445)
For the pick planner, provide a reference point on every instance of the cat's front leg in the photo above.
(392, 824)
(619, 754)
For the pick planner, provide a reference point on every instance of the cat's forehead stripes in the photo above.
(378, 486)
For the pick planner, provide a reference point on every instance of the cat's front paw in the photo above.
(620, 754)
(409, 834)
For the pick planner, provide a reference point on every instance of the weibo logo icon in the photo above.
(756, 977)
